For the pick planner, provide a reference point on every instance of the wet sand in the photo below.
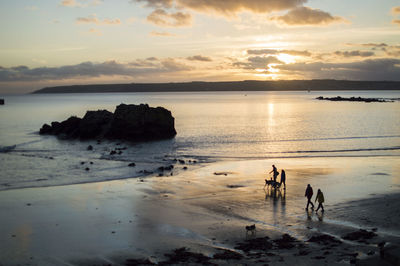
(206, 209)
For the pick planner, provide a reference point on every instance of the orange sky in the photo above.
(49, 43)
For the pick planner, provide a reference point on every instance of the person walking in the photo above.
(320, 198)
(275, 173)
(308, 194)
(283, 178)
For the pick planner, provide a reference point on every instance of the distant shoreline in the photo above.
(249, 85)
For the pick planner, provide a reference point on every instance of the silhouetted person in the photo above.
(275, 173)
(320, 198)
(283, 178)
(308, 194)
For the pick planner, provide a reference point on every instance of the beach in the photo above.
(205, 209)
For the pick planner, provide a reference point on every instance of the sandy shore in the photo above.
(205, 210)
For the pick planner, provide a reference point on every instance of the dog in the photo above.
(272, 183)
(251, 229)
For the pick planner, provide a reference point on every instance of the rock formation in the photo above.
(128, 122)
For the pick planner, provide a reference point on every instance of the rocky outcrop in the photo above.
(128, 122)
(353, 99)
(1, 101)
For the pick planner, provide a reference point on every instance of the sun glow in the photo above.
(287, 59)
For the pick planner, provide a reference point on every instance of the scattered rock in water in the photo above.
(185, 168)
(1, 101)
(234, 186)
(146, 172)
(169, 167)
(183, 255)
(353, 99)
(181, 161)
(303, 252)
(89, 148)
(112, 152)
(128, 122)
(260, 243)
(82, 163)
(91, 162)
(324, 239)
(28, 204)
(87, 168)
(285, 242)
(132, 165)
(359, 235)
(228, 255)
(138, 262)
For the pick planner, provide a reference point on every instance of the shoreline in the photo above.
(112, 221)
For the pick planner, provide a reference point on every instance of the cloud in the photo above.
(370, 69)
(92, 70)
(354, 53)
(374, 45)
(226, 7)
(395, 10)
(157, 3)
(199, 58)
(162, 34)
(258, 62)
(161, 18)
(306, 16)
(95, 31)
(390, 50)
(71, 3)
(231, 7)
(74, 3)
(92, 19)
(396, 21)
(274, 51)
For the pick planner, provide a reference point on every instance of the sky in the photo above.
(65, 42)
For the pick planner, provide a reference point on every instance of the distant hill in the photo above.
(248, 85)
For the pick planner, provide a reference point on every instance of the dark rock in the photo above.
(132, 164)
(128, 122)
(286, 242)
(185, 168)
(91, 162)
(261, 243)
(228, 255)
(1, 101)
(324, 239)
(87, 168)
(182, 161)
(113, 152)
(169, 168)
(46, 129)
(353, 99)
(82, 163)
(359, 235)
(138, 262)
(161, 168)
(90, 148)
(183, 255)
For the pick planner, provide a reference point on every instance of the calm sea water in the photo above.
(211, 126)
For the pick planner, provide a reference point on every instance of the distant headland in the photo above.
(247, 85)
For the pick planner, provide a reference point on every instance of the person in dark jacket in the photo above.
(274, 172)
(308, 194)
(283, 178)
(320, 198)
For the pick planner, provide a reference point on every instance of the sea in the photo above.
(211, 127)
